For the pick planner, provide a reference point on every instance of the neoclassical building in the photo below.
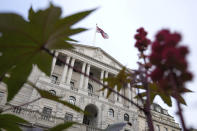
(83, 92)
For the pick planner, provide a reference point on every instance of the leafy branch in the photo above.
(22, 43)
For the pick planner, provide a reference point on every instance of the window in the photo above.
(59, 63)
(126, 117)
(111, 112)
(72, 85)
(91, 74)
(157, 128)
(90, 88)
(54, 79)
(72, 100)
(52, 92)
(17, 109)
(68, 117)
(46, 113)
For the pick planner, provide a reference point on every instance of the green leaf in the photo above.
(120, 80)
(16, 81)
(43, 21)
(12, 118)
(166, 99)
(9, 122)
(184, 90)
(48, 95)
(181, 100)
(23, 43)
(43, 61)
(62, 126)
(154, 91)
(10, 126)
(73, 19)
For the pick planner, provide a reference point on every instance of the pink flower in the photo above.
(183, 50)
(141, 41)
(157, 74)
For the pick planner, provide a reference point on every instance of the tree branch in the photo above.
(24, 104)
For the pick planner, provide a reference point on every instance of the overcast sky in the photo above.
(120, 19)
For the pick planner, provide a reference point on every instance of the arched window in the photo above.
(72, 100)
(90, 88)
(126, 117)
(52, 92)
(111, 112)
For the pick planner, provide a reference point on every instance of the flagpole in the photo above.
(94, 40)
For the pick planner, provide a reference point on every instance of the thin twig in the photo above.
(24, 104)
(180, 112)
(147, 112)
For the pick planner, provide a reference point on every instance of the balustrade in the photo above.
(36, 117)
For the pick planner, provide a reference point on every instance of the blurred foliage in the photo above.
(24, 43)
(9, 122)
(120, 81)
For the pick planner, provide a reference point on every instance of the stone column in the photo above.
(106, 76)
(53, 62)
(120, 98)
(129, 91)
(82, 76)
(70, 72)
(115, 95)
(101, 79)
(134, 94)
(63, 79)
(87, 79)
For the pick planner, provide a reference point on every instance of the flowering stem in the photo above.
(147, 104)
(147, 107)
(181, 115)
(180, 111)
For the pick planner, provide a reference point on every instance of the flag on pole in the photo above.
(99, 30)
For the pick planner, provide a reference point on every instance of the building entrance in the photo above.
(92, 116)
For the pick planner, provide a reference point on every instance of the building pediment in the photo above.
(98, 54)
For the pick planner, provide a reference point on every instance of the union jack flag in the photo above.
(104, 35)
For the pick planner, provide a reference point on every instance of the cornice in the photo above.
(91, 58)
(161, 122)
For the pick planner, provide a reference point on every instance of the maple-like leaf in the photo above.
(23, 42)
(120, 80)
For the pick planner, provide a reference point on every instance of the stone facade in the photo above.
(83, 92)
